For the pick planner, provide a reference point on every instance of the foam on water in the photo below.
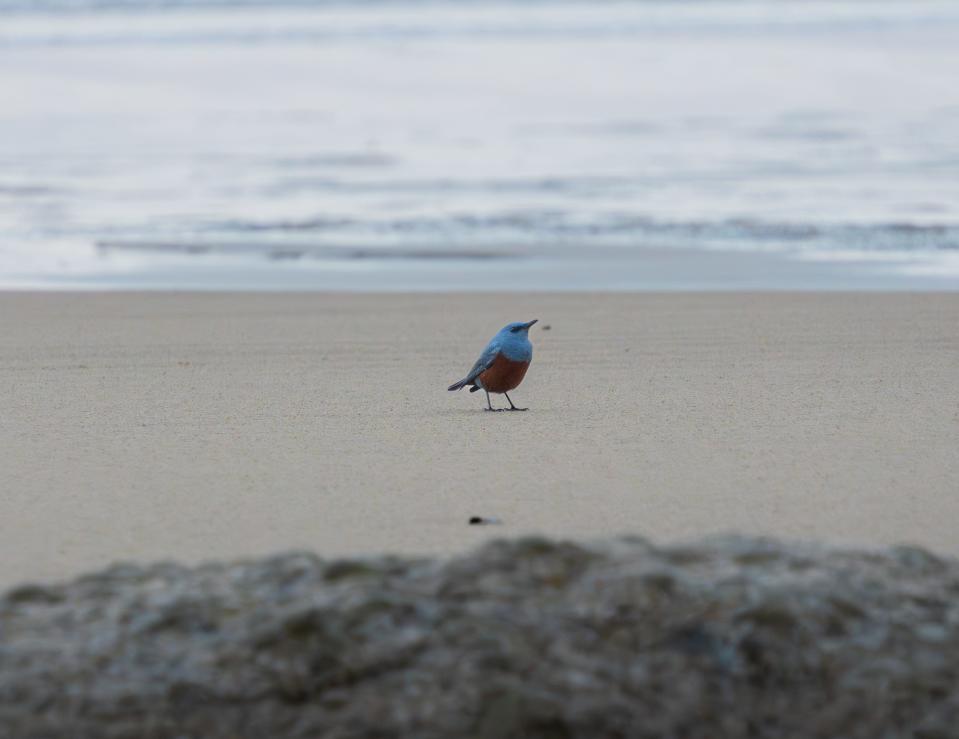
(431, 144)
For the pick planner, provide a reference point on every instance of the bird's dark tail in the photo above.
(458, 385)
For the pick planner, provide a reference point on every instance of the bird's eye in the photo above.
(514, 330)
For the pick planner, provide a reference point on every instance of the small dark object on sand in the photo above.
(547, 327)
(482, 521)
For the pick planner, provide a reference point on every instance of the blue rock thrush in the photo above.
(502, 365)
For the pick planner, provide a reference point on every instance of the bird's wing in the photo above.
(483, 363)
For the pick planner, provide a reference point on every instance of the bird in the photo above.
(502, 365)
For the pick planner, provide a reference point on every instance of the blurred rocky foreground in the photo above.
(528, 638)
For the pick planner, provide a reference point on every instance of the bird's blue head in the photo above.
(513, 340)
(517, 329)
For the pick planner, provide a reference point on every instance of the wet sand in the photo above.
(145, 426)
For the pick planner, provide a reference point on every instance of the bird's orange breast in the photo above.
(503, 375)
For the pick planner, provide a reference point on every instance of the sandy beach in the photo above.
(144, 426)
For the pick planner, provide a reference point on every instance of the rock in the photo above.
(527, 638)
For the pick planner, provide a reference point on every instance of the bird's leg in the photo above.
(513, 407)
(490, 405)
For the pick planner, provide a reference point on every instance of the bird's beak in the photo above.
(530, 323)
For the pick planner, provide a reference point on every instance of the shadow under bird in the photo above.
(502, 365)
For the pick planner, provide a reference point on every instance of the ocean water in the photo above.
(474, 145)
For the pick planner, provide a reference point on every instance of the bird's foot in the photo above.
(495, 410)
(516, 409)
